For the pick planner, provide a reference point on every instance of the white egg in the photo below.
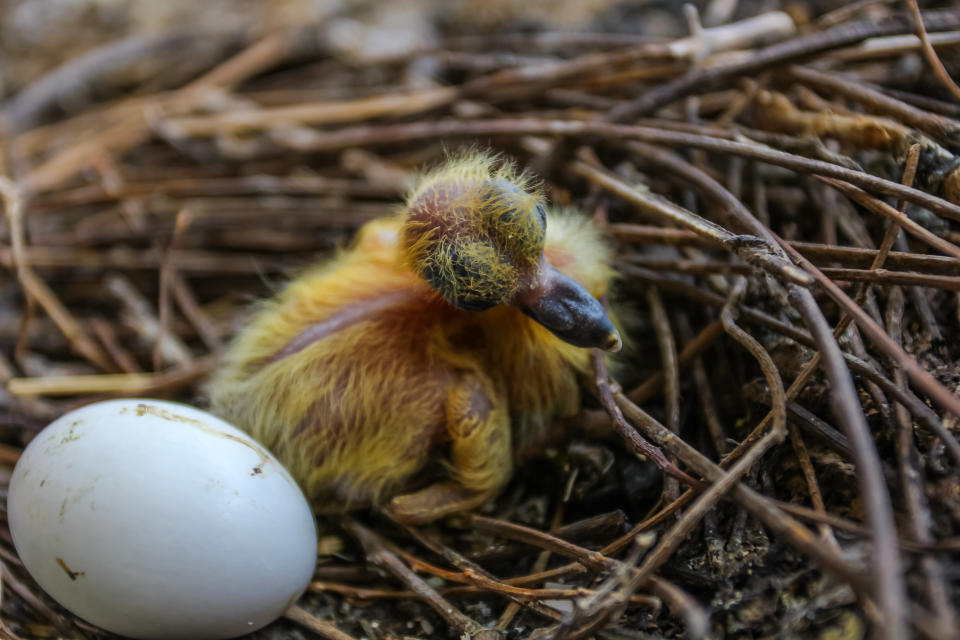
(153, 519)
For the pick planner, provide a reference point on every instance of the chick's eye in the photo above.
(509, 204)
(542, 215)
(536, 224)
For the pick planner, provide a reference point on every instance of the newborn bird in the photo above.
(444, 334)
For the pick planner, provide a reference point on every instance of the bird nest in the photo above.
(782, 193)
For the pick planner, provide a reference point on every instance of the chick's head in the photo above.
(474, 229)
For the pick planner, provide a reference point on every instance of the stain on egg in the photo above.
(153, 519)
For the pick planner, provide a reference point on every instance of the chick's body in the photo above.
(359, 373)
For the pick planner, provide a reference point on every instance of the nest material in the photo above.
(782, 192)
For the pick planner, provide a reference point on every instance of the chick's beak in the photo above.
(563, 306)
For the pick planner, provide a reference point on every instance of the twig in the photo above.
(378, 554)
(751, 249)
(813, 488)
(918, 375)
(911, 479)
(668, 358)
(638, 445)
(778, 419)
(132, 127)
(876, 275)
(543, 558)
(853, 257)
(760, 506)
(312, 623)
(167, 271)
(6, 633)
(364, 594)
(592, 560)
(940, 127)
(17, 586)
(141, 318)
(924, 415)
(126, 384)
(474, 574)
(38, 290)
(938, 69)
(258, 57)
(188, 261)
(792, 50)
(108, 338)
(707, 336)
(705, 393)
(890, 590)
(36, 100)
(593, 611)
(308, 114)
(386, 134)
(773, 25)
(192, 311)
(889, 46)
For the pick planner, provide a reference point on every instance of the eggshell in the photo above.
(157, 520)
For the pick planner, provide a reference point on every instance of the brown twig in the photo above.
(133, 126)
(141, 318)
(708, 498)
(378, 554)
(22, 589)
(890, 589)
(638, 445)
(107, 335)
(393, 133)
(308, 114)
(938, 69)
(758, 505)
(938, 126)
(920, 377)
(925, 416)
(813, 487)
(38, 290)
(592, 560)
(819, 253)
(40, 97)
(876, 275)
(474, 574)
(668, 357)
(366, 594)
(125, 384)
(314, 624)
(167, 272)
(911, 479)
(798, 48)
(707, 336)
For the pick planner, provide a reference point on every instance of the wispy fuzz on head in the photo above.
(474, 227)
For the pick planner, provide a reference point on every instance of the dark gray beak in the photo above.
(563, 306)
